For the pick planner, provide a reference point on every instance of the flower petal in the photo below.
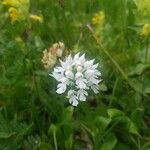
(61, 88)
(95, 88)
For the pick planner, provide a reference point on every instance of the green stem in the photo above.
(55, 140)
(107, 53)
(113, 93)
(146, 52)
(142, 76)
(124, 75)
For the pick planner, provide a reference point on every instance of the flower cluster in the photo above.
(17, 9)
(145, 31)
(13, 13)
(36, 18)
(143, 7)
(50, 55)
(77, 75)
(98, 18)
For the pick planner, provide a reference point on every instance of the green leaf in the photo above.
(69, 142)
(4, 135)
(32, 142)
(147, 90)
(109, 142)
(45, 146)
(136, 116)
(146, 146)
(112, 112)
(127, 124)
(121, 146)
(67, 114)
(40, 73)
(53, 128)
(132, 128)
(136, 85)
(124, 121)
(102, 122)
(139, 69)
(24, 129)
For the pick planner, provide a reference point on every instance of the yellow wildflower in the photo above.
(98, 18)
(145, 31)
(144, 7)
(6, 2)
(17, 9)
(12, 3)
(13, 13)
(36, 18)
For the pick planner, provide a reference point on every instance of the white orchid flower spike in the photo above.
(76, 76)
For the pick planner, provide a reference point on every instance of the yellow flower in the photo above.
(144, 7)
(145, 31)
(13, 13)
(17, 9)
(36, 18)
(6, 2)
(98, 18)
(12, 3)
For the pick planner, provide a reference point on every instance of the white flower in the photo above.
(61, 88)
(72, 97)
(69, 74)
(95, 88)
(63, 85)
(82, 95)
(76, 76)
(81, 83)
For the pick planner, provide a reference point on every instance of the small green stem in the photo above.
(146, 52)
(113, 93)
(55, 140)
(142, 76)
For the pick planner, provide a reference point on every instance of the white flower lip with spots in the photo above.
(76, 76)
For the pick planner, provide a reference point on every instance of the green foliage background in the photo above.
(33, 116)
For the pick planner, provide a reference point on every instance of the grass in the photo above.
(33, 116)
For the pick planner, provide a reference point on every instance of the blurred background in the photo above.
(115, 33)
